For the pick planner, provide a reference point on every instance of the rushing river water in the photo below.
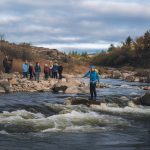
(40, 121)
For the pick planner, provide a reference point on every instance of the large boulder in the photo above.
(72, 84)
(60, 86)
(116, 74)
(72, 90)
(145, 100)
(5, 85)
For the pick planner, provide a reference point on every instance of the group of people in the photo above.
(51, 70)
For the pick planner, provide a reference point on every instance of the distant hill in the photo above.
(26, 51)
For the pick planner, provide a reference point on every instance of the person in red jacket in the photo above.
(46, 72)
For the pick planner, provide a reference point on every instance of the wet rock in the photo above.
(105, 76)
(81, 101)
(132, 104)
(103, 85)
(130, 78)
(145, 100)
(2, 90)
(72, 90)
(124, 98)
(146, 88)
(77, 90)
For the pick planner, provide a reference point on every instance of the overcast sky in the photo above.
(73, 23)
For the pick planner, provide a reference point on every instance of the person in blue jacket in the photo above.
(94, 78)
(37, 71)
(55, 71)
(25, 69)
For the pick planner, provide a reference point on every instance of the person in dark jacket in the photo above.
(31, 71)
(55, 71)
(46, 72)
(37, 71)
(94, 78)
(7, 64)
(60, 70)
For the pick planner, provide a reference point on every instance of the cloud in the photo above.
(131, 9)
(76, 23)
(7, 19)
(87, 46)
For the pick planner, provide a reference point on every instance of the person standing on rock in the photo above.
(25, 69)
(46, 72)
(37, 71)
(31, 71)
(7, 64)
(55, 71)
(94, 78)
(60, 70)
(50, 69)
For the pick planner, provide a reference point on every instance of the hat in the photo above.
(92, 67)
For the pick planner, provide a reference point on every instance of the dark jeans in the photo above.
(46, 76)
(54, 75)
(37, 76)
(7, 70)
(25, 74)
(31, 75)
(60, 75)
(93, 89)
(50, 74)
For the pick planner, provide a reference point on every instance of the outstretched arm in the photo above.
(87, 74)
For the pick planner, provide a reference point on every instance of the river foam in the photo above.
(23, 121)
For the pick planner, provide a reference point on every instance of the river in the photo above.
(40, 121)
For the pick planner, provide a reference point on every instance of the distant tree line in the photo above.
(131, 52)
(76, 53)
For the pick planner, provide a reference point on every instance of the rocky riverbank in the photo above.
(130, 76)
(69, 84)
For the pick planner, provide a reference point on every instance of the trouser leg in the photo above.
(56, 75)
(7, 70)
(37, 76)
(60, 75)
(46, 76)
(53, 75)
(31, 76)
(93, 90)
